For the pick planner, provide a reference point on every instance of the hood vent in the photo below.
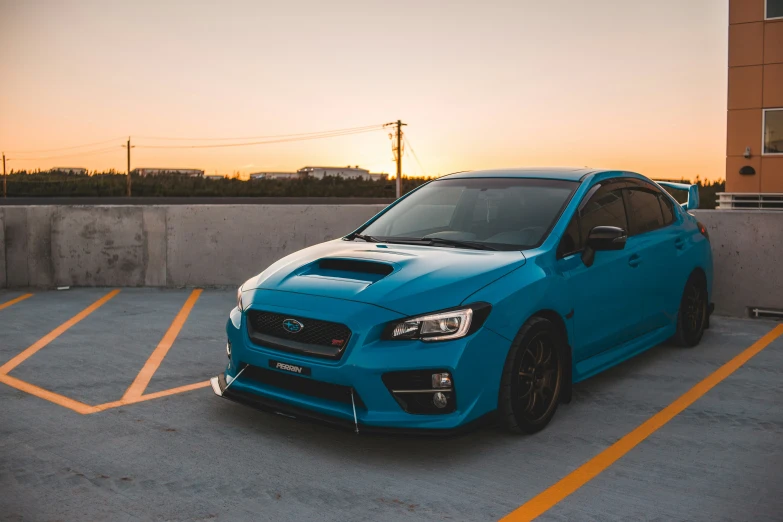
(354, 265)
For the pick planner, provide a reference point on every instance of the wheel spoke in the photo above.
(539, 352)
(547, 358)
(528, 354)
(531, 403)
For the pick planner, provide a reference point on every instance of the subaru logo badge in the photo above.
(292, 326)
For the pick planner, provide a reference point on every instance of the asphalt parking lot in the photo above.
(105, 414)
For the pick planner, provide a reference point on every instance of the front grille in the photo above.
(303, 385)
(315, 337)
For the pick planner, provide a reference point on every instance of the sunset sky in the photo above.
(634, 85)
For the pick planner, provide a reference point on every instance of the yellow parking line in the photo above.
(54, 334)
(150, 396)
(14, 301)
(56, 398)
(136, 389)
(589, 470)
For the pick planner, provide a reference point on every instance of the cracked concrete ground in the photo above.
(193, 456)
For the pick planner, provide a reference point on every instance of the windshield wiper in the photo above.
(474, 245)
(368, 239)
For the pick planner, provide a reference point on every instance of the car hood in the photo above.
(408, 279)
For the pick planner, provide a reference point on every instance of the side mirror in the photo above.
(603, 238)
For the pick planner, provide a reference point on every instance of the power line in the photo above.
(366, 127)
(299, 136)
(266, 142)
(63, 148)
(416, 157)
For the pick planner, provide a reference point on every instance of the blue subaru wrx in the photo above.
(478, 294)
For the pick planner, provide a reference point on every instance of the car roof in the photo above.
(563, 173)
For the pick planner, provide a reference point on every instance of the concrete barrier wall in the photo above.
(222, 245)
(747, 249)
(160, 245)
(202, 245)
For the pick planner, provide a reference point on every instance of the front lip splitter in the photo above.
(221, 388)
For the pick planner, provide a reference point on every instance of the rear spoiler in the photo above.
(693, 193)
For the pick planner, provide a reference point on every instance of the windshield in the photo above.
(500, 213)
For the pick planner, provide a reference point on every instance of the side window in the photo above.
(604, 207)
(570, 242)
(667, 208)
(644, 211)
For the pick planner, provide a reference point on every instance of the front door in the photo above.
(606, 295)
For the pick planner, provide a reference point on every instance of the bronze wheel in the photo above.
(532, 378)
(692, 317)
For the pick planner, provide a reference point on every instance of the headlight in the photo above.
(440, 326)
(239, 300)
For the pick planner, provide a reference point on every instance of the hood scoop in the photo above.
(346, 269)
(355, 265)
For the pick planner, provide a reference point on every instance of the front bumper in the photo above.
(475, 363)
(266, 404)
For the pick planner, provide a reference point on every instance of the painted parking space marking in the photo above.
(135, 392)
(56, 398)
(150, 396)
(545, 500)
(54, 334)
(142, 380)
(15, 300)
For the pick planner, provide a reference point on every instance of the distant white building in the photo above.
(341, 172)
(69, 170)
(214, 176)
(321, 172)
(193, 173)
(274, 175)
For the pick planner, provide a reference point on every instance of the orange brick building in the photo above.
(754, 144)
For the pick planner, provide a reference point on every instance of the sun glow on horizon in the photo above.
(495, 84)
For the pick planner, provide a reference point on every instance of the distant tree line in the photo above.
(56, 184)
(52, 184)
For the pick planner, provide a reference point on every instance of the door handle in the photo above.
(679, 243)
(635, 260)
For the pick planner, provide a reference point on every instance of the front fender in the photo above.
(519, 295)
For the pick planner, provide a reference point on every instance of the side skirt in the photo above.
(609, 358)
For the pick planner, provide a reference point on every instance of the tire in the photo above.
(532, 379)
(693, 316)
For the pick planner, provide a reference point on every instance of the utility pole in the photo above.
(398, 153)
(129, 147)
(5, 189)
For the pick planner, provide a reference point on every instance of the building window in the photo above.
(773, 131)
(774, 9)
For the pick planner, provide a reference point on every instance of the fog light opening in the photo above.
(440, 400)
(228, 349)
(441, 380)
